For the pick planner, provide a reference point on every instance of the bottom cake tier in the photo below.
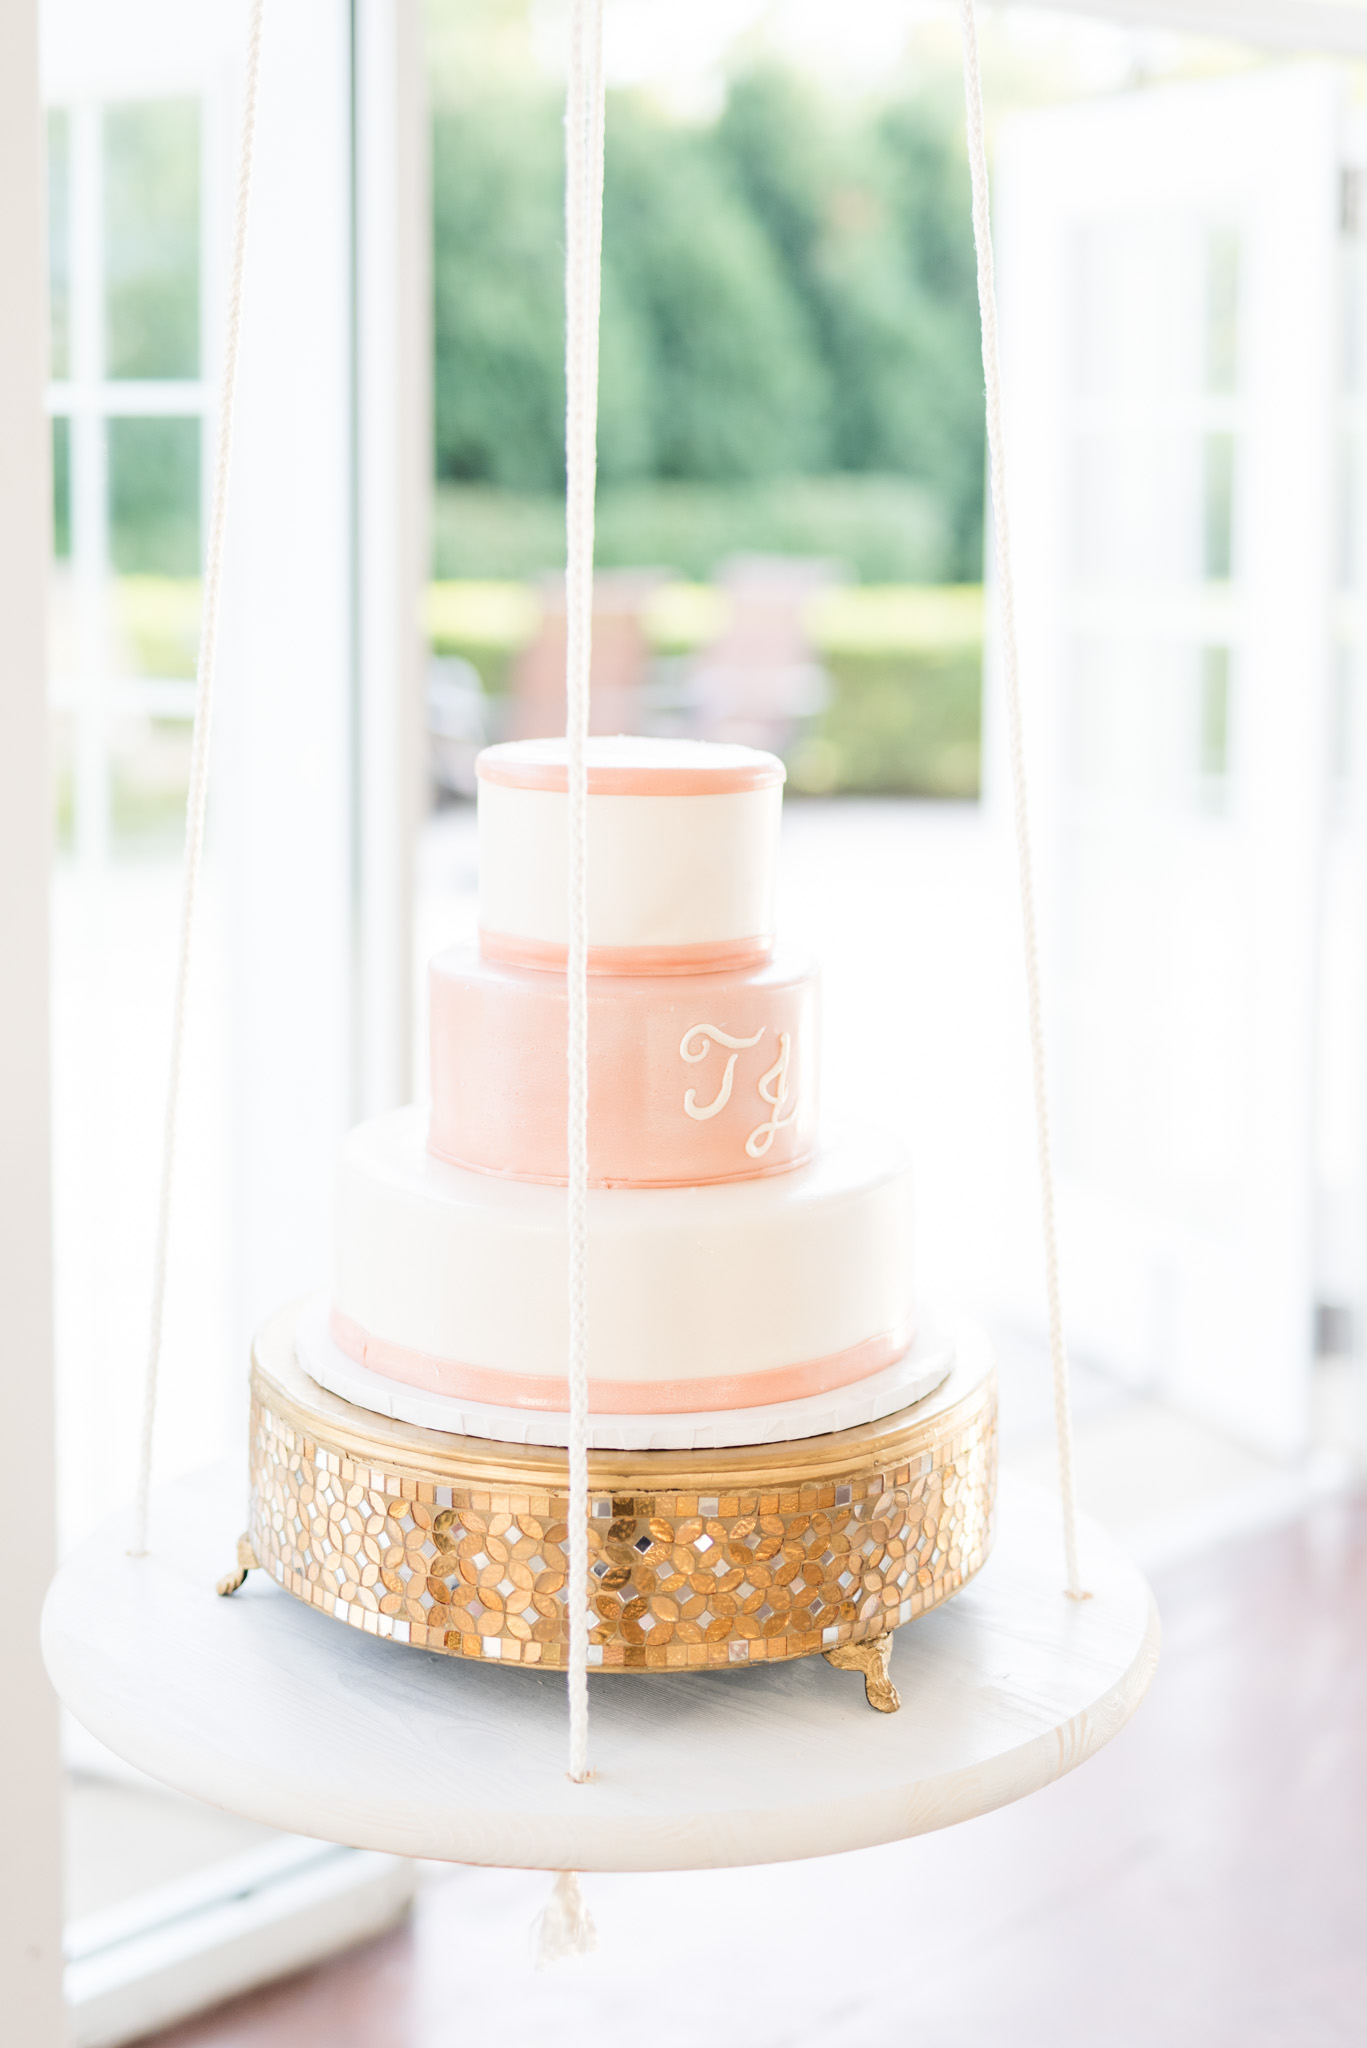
(698, 1559)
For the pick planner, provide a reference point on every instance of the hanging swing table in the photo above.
(267, 1707)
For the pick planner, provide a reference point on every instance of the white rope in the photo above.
(584, 121)
(197, 797)
(564, 1926)
(1006, 597)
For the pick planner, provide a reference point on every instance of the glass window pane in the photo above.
(1343, 716)
(149, 773)
(151, 229)
(61, 488)
(1350, 511)
(1218, 495)
(156, 623)
(59, 238)
(1353, 296)
(1213, 729)
(154, 496)
(1222, 310)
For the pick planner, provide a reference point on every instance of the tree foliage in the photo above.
(498, 294)
(787, 292)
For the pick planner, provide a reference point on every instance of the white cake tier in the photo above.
(918, 1372)
(683, 846)
(700, 1298)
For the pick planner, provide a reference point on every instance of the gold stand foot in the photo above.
(872, 1657)
(247, 1561)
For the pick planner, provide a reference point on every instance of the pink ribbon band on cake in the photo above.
(708, 957)
(642, 1179)
(619, 1397)
(510, 771)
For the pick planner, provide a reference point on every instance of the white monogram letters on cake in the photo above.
(772, 1086)
(705, 1034)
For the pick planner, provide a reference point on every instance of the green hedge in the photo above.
(904, 716)
(907, 724)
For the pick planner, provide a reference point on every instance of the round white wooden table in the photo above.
(273, 1710)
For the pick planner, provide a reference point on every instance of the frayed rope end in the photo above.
(564, 1926)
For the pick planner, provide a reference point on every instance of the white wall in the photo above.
(317, 783)
(283, 774)
(30, 1867)
(315, 778)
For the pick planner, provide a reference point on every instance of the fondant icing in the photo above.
(682, 854)
(456, 1281)
(692, 1078)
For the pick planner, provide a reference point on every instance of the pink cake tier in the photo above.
(693, 1078)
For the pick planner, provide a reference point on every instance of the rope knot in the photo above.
(564, 1926)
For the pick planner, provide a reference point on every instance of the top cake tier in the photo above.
(683, 848)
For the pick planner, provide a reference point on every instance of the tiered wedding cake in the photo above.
(781, 1463)
(746, 1283)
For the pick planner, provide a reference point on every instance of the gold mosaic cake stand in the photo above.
(698, 1559)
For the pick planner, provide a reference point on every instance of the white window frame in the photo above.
(88, 399)
(322, 669)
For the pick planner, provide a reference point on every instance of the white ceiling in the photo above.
(1335, 26)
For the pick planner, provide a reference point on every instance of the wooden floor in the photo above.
(1201, 1884)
